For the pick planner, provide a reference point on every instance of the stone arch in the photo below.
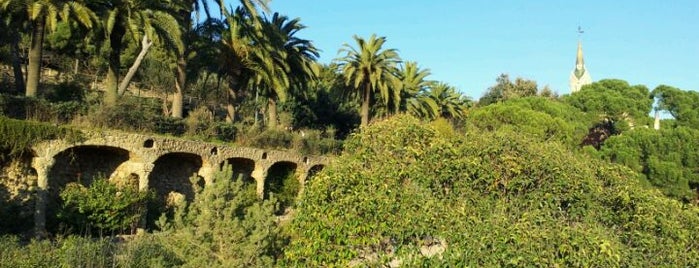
(282, 182)
(242, 168)
(84, 163)
(80, 164)
(171, 174)
(313, 171)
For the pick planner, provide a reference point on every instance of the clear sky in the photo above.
(469, 43)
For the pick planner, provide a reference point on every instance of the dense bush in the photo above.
(537, 117)
(18, 136)
(403, 189)
(222, 227)
(104, 206)
(668, 158)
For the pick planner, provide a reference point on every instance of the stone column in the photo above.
(260, 174)
(143, 176)
(302, 175)
(143, 182)
(42, 165)
(207, 172)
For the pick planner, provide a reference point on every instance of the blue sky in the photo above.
(469, 43)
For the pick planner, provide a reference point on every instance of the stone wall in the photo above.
(163, 164)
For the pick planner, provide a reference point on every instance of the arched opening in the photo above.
(282, 182)
(313, 171)
(81, 164)
(214, 151)
(242, 168)
(171, 181)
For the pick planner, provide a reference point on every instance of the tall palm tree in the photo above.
(369, 69)
(43, 14)
(235, 61)
(183, 14)
(238, 47)
(412, 81)
(137, 18)
(283, 62)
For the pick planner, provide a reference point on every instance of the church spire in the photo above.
(579, 77)
(579, 57)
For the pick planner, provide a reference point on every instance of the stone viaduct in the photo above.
(164, 164)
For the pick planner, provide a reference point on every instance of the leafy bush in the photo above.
(103, 205)
(402, 190)
(284, 186)
(222, 227)
(130, 113)
(668, 158)
(18, 136)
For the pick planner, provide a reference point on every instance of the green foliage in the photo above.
(493, 200)
(103, 205)
(668, 158)
(537, 117)
(682, 105)
(35, 254)
(18, 136)
(146, 251)
(284, 186)
(505, 89)
(134, 114)
(222, 227)
(614, 99)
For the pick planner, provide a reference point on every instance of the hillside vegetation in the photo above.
(487, 199)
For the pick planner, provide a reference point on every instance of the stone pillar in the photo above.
(143, 175)
(260, 174)
(302, 175)
(42, 165)
(207, 172)
(143, 182)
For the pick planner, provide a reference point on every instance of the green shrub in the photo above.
(284, 186)
(18, 135)
(103, 205)
(130, 113)
(146, 251)
(169, 125)
(222, 227)
(273, 138)
(495, 200)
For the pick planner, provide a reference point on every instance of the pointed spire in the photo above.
(579, 57)
(579, 76)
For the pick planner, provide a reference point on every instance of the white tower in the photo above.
(580, 76)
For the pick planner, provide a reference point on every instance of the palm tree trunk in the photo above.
(112, 90)
(145, 45)
(365, 105)
(35, 54)
(180, 82)
(230, 106)
(17, 65)
(272, 110)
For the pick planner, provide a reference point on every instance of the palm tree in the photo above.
(411, 81)
(149, 19)
(189, 34)
(238, 47)
(451, 104)
(283, 62)
(370, 70)
(44, 14)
